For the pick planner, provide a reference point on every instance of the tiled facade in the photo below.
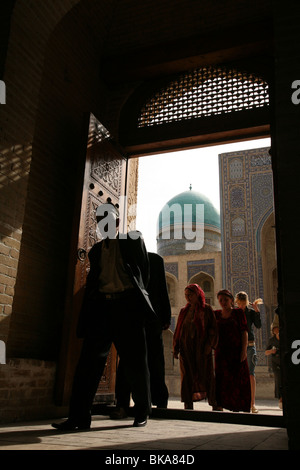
(246, 183)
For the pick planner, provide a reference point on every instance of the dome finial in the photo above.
(190, 187)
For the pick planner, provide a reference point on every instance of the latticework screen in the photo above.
(204, 92)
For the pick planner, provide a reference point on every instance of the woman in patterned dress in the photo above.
(195, 337)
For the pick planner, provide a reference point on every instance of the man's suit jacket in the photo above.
(136, 262)
(157, 289)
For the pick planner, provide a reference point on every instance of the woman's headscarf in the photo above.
(200, 294)
(199, 310)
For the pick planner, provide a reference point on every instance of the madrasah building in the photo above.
(233, 249)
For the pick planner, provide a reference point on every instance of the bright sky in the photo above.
(161, 177)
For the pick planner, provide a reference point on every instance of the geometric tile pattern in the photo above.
(206, 266)
(172, 268)
(246, 188)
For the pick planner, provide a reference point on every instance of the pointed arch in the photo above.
(207, 283)
(172, 283)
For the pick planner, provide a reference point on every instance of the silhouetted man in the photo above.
(115, 308)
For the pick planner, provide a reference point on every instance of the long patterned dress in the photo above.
(233, 391)
(195, 344)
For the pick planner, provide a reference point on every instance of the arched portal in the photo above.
(207, 284)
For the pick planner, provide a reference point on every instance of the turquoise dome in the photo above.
(169, 218)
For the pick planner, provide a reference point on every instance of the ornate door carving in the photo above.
(104, 180)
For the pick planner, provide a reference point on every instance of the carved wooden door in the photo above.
(104, 180)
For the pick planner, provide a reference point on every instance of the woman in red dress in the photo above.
(194, 339)
(233, 391)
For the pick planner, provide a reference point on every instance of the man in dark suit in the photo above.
(159, 297)
(115, 308)
(158, 293)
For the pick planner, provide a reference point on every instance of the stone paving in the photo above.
(160, 434)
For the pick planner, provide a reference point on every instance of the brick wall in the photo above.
(29, 32)
(52, 84)
(26, 391)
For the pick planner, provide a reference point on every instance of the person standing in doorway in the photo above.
(273, 350)
(233, 391)
(159, 297)
(115, 308)
(195, 337)
(253, 320)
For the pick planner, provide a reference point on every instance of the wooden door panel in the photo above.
(104, 180)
